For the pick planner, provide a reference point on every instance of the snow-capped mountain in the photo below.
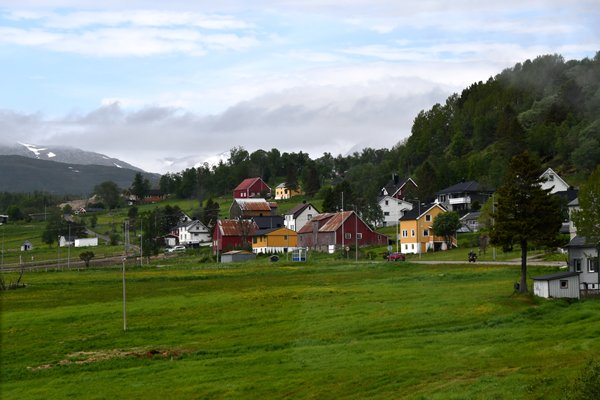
(63, 154)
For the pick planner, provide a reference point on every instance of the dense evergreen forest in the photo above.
(548, 106)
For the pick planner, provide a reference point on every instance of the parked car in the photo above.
(175, 248)
(396, 257)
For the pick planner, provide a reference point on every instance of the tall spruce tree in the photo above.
(526, 213)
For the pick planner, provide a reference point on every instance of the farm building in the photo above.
(251, 187)
(232, 234)
(86, 242)
(560, 285)
(326, 232)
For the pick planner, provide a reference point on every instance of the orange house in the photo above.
(274, 240)
(416, 234)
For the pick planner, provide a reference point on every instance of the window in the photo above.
(254, 240)
(386, 214)
(285, 237)
(550, 177)
(428, 218)
(386, 202)
(425, 232)
(405, 233)
(577, 264)
(309, 217)
(592, 264)
(348, 236)
(412, 232)
(359, 235)
(564, 284)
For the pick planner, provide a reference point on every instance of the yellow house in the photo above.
(274, 240)
(282, 191)
(416, 235)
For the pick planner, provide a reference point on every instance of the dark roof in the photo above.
(581, 241)
(559, 275)
(269, 221)
(568, 195)
(395, 184)
(462, 187)
(414, 213)
(297, 210)
(262, 232)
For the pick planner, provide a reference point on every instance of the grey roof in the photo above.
(473, 215)
(581, 241)
(559, 275)
(414, 213)
(465, 187)
(297, 210)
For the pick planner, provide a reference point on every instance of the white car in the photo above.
(175, 248)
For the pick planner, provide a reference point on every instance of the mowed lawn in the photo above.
(270, 331)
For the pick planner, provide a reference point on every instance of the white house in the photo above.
(559, 285)
(553, 181)
(193, 233)
(583, 259)
(298, 216)
(393, 209)
(65, 241)
(86, 242)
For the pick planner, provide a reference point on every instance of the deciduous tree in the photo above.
(446, 224)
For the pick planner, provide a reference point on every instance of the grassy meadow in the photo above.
(324, 329)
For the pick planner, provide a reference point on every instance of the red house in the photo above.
(251, 187)
(232, 234)
(326, 232)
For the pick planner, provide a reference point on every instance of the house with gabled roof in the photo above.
(416, 233)
(248, 208)
(463, 195)
(230, 234)
(193, 233)
(284, 191)
(327, 232)
(397, 187)
(274, 240)
(553, 181)
(250, 188)
(393, 209)
(298, 216)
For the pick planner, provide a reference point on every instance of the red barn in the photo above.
(232, 234)
(251, 187)
(327, 231)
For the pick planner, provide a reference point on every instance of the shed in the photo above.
(26, 246)
(237, 256)
(562, 284)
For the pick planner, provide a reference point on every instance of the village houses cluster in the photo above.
(255, 224)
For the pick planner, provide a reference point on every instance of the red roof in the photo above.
(246, 184)
(336, 221)
(233, 227)
(308, 227)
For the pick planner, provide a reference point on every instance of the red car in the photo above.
(396, 257)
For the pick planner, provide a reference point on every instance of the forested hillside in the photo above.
(548, 105)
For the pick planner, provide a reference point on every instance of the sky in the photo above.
(169, 85)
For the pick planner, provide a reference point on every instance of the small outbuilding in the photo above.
(559, 285)
(26, 246)
(237, 256)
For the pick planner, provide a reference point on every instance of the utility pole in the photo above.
(342, 215)
(141, 242)
(69, 249)
(355, 234)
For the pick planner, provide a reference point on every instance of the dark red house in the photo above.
(232, 234)
(325, 232)
(251, 187)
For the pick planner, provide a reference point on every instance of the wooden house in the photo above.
(230, 234)
(248, 208)
(327, 232)
(274, 240)
(398, 188)
(416, 234)
(251, 187)
(284, 191)
(298, 216)
(462, 196)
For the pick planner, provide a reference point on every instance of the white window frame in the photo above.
(427, 217)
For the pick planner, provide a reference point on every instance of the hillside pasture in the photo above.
(333, 329)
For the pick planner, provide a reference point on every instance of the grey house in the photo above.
(583, 259)
(560, 285)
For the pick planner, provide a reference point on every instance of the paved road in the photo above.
(508, 262)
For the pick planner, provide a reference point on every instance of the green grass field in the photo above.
(325, 329)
